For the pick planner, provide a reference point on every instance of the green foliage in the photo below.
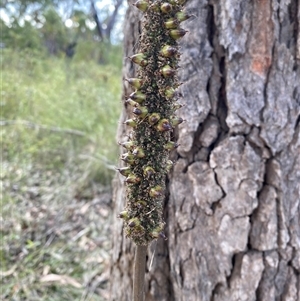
(103, 53)
(54, 31)
(59, 118)
(41, 25)
(59, 111)
(58, 123)
(21, 37)
(54, 25)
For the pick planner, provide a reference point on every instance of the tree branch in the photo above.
(97, 20)
(32, 125)
(112, 19)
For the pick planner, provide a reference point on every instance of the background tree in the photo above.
(60, 24)
(233, 205)
(106, 26)
(54, 32)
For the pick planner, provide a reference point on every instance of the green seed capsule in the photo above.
(170, 93)
(166, 8)
(164, 125)
(156, 191)
(142, 203)
(157, 232)
(168, 51)
(171, 145)
(167, 71)
(141, 112)
(128, 158)
(182, 16)
(154, 234)
(169, 165)
(155, 7)
(139, 59)
(148, 171)
(138, 152)
(134, 222)
(128, 144)
(124, 215)
(135, 82)
(176, 120)
(130, 122)
(171, 23)
(177, 33)
(141, 5)
(124, 171)
(138, 96)
(131, 102)
(177, 106)
(153, 118)
(132, 179)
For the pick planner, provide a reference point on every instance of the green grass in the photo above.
(57, 110)
(58, 126)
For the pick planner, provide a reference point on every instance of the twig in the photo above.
(101, 158)
(32, 125)
(139, 273)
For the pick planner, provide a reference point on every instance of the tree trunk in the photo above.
(233, 209)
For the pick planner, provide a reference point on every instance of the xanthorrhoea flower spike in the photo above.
(153, 104)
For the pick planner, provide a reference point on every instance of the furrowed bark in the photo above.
(233, 208)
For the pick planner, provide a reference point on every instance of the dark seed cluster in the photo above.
(154, 104)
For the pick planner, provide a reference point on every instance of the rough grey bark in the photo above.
(233, 209)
